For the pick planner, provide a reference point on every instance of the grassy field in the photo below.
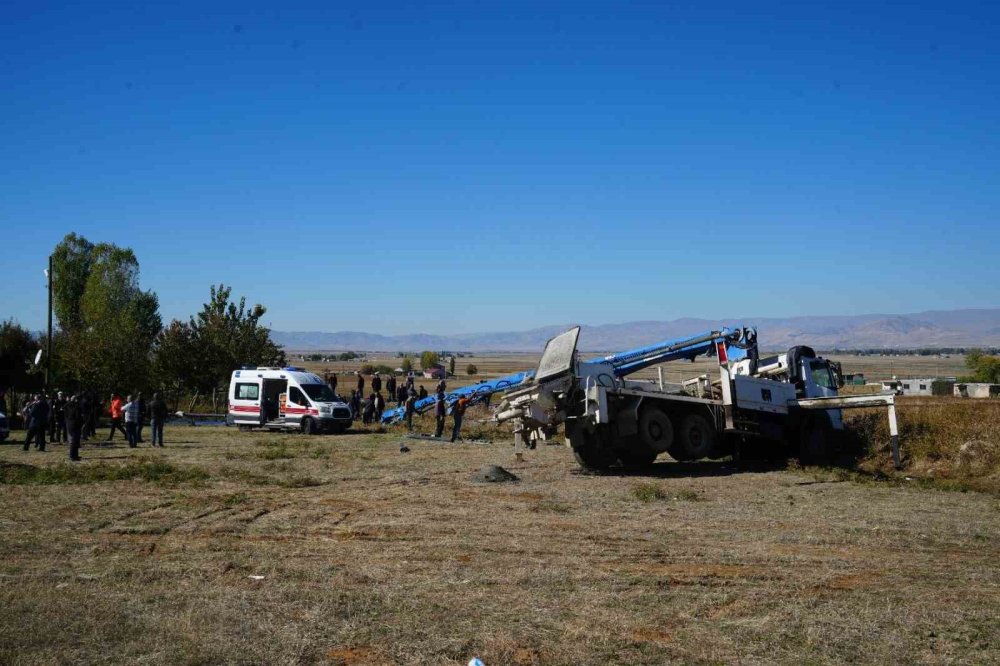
(230, 547)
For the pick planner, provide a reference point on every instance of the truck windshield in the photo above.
(319, 392)
(821, 375)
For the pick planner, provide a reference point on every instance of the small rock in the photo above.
(493, 474)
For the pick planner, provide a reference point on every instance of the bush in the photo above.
(471, 369)
(367, 369)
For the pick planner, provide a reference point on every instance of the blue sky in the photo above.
(459, 167)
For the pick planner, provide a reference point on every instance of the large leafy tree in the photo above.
(17, 349)
(200, 355)
(108, 322)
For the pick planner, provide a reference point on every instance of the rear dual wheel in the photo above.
(697, 438)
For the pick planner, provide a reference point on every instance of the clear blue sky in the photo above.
(448, 168)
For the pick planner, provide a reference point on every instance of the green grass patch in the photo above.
(155, 471)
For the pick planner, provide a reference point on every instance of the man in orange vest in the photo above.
(457, 412)
(116, 417)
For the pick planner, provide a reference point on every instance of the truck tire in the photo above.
(656, 431)
(309, 426)
(697, 439)
(816, 442)
(634, 454)
(588, 450)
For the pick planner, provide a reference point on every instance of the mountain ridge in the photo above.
(932, 328)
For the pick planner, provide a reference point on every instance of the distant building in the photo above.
(927, 386)
(976, 390)
(437, 372)
(856, 379)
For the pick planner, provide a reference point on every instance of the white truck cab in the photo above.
(285, 399)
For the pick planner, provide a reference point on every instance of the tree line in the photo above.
(110, 336)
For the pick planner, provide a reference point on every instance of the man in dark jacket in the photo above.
(401, 394)
(74, 425)
(332, 382)
(376, 383)
(86, 415)
(157, 417)
(440, 412)
(38, 419)
(58, 418)
(390, 387)
(361, 384)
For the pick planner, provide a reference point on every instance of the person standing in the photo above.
(361, 384)
(422, 393)
(355, 404)
(457, 413)
(441, 386)
(157, 417)
(131, 410)
(332, 381)
(142, 419)
(401, 395)
(411, 406)
(86, 415)
(59, 419)
(74, 425)
(409, 381)
(376, 383)
(116, 416)
(440, 412)
(390, 387)
(37, 417)
(379, 407)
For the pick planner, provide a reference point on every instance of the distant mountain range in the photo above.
(948, 328)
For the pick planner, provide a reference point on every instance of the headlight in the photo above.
(325, 409)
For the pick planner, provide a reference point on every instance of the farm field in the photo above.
(228, 547)
(493, 365)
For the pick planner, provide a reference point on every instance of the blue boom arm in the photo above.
(474, 392)
(737, 343)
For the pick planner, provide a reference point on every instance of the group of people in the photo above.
(73, 418)
(405, 394)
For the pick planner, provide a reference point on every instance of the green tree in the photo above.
(428, 360)
(407, 364)
(17, 353)
(451, 365)
(471, 369)
(221, 338)
(72, 260)
(107, 328)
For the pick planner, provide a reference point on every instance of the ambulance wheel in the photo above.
(309, 426)
(697, 439)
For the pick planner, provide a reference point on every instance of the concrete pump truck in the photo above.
(788, 400)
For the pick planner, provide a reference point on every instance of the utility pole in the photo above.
(48, 352)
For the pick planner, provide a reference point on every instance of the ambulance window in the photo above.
(247, 392)
(295, 395)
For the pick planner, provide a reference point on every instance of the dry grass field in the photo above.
(257, 548)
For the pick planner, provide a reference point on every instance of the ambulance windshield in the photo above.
(319, 392)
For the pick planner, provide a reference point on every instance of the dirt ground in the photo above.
(229, 547)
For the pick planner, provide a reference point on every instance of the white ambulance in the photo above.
(285, 399)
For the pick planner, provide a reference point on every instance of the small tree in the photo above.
(367, 369)
(428, 360)
(471, 369)
(451, 365)
(407, 364)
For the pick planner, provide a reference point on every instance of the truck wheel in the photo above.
(309, 426)
(697, 439)
(815, 443)
(656, 431)
(588, 451)
(635, 454)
